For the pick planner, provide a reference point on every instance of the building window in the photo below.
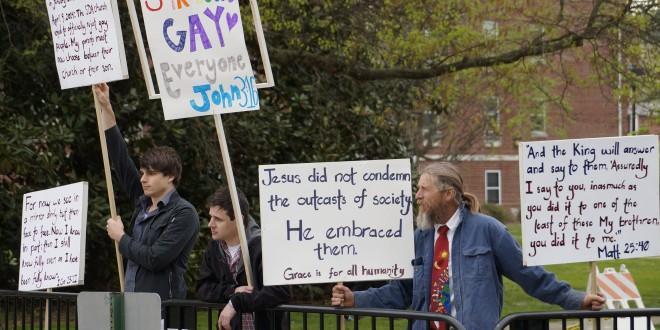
(537, 34)
(431, 132)
(633, 122)
(493, 187)
(492, 136)
(490, 28)
(538, 121)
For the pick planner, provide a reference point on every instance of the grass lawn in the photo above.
(644, 270)
(645, 273)
(330, 322)
(313, 322)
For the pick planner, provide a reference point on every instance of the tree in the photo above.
(50, 135)
(428, 39)
(354, 80)
(516, 48)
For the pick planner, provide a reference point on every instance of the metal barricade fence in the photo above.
(390, 315)
(190, 314)
(605, 319)
(27, 310)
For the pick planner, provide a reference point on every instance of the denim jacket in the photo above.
(482, 251)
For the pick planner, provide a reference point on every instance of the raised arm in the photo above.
(122, 165)
(535, 280)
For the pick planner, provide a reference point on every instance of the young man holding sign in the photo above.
(222, 277)
(464, 281)
(164, 226)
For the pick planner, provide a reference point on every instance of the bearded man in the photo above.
(460, 258)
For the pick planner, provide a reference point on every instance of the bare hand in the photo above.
(342, 296)
(244, 289)
(102, 93)
(115, 228)
(593, 301)
(227, 314)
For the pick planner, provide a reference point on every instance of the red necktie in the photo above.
(440, 295)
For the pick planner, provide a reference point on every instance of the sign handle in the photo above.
(238, 216)
(342, 320)
(593, 272)
(256, 17)
(144, 62)
(593, 284)
(47, 314)
(108, 181)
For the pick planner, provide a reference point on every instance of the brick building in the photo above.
(490, 168)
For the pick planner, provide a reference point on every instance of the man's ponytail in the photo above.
(471, 202)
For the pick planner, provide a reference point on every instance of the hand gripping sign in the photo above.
(589, 199)
(202, 67)
(336, 222)
(89, 49)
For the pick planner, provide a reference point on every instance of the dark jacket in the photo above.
(216, 284)
(168, 236)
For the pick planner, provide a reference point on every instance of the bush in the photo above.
(498, 212)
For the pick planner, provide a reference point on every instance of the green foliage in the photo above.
(499, 212)
(317, 111)
(50, 136)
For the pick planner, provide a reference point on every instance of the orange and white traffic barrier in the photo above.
(619, 288)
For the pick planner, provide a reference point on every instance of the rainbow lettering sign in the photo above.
(200, 58)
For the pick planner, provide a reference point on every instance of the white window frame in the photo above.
(543, 132)
(490, 28)
(496, 141)
(633, 120)
(429, 123)
(537, 31)
(488, 188)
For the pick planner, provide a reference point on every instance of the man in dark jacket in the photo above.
(163, 227)
(222, 277)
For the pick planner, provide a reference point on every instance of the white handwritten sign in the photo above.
(200, 58)
(87, 39)
(53, 237)
(334, 222)
(589, 199)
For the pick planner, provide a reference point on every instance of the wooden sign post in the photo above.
(589, 199)
(224, 84)
(53, 234)
(47, 315)
(108, 182)
(238, 216)
(89, 52)
(53, 256)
